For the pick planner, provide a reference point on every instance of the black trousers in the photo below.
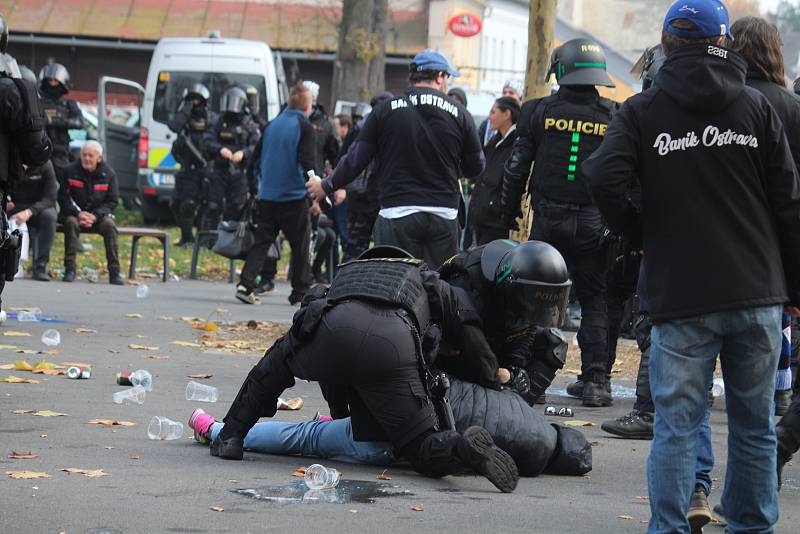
(372, 350)
(227, 195)
(426, 236)
(187, 197)
(43, 226)
(576, 232)
(623, 277)
(360, 222)
(105, 227)
(270, 218)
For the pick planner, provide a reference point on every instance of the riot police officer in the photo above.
(61, 114)
(22, 142)
(520, 292)
(230, 142)
(559, 132)
(374, 333)
(254, 105)
(190, 122)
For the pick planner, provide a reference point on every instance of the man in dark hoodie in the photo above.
(721, 238)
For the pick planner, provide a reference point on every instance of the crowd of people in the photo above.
(682, 203)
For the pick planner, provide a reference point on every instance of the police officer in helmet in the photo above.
(230, 143)
(191, 122)
(520, 292)
(374, 336)
(254, 105)
(62, 114)
(558, 133)
(22, 142)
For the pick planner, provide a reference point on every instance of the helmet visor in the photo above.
(544, 306)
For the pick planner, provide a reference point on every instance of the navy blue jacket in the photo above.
(287, 153)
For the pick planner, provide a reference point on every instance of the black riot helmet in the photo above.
(648, 66)
(233, 100)
(579, 62)
(27, 74)
(531, 276)
(253, 101)
(197, 90)
(57, 72)
(3, 35)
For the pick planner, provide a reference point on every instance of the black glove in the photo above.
(520, 382)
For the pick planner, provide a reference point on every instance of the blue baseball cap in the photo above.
(710, 17)
(433, 60)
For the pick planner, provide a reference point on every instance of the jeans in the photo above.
(682, 359)
(332, 440)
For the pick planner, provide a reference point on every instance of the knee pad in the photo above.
(549, 354)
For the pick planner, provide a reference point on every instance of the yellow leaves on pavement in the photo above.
(40, 413)
(136, 346)
(16, 333)
(417, 509)
(217, 509)
(14, 455)
(27, 474)
(110, 422)
(91, 473)
(83, 330)
(186, 344)
(22, 365)
(578, 422)
(201, 376)
(16, 380)
(7, 366)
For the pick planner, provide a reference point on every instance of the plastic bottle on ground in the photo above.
(201, 392)
(135, 394)
(142, 291)
(319, 477)
(33, 315)
(51, 337)
(90, 274)
(718, 387)
(162, 428)
(142, 378)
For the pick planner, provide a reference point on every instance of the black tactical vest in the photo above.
(394, 282)
(234, 135)
(566, 134)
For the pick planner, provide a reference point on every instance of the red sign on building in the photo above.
(465, 25)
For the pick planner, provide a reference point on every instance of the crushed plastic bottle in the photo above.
(142, 378)
(319, 477)
(90, 274)
(33, 315)
(51, 337)
(135, 394)
(196, 391)
(142, 291)
(164, 429)
(718, 387)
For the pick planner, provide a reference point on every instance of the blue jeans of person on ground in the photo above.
(682, 359)
(332, 440)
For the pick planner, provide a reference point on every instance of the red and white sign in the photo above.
(465, 25)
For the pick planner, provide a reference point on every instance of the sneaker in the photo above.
(231, 448)
(245, 295)
(69, 274)
(596, 395)
(783, 399)
(201, 423)
(40, 274)
(265, 286)
(699, 514)
(575, 389)
(634, 425)
(477, 451)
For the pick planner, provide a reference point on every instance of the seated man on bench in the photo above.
(87, 198)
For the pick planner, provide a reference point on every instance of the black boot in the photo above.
(40, 273)
(596, 394)
(477, 451)
(633, 425)
(231, 448)
(575, 389)
(115, 279)
(69, 273)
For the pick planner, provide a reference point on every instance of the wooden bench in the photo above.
(136, 234)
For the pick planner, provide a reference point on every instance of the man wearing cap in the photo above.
(422, 141)
(721, 240)
(558, 133)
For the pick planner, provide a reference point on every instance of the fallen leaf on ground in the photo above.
(26, 351)
(7, 366)
(299, 472)
(200, 376)
(210, 327)
(111, 422)
(384, 476)
(27, 474)
(140, 336)
(134, 316)
(91, 473)
(16, 333)
(295, 403)
(51, 352)
(642, 497)
(40, 413)
(77, 364)
(135, 346)
(134, 283)
(154, 357)
(190, 319)
(49, 372)
(45, 365)
(625, 517)
(578, 422)
(186, 344)
(17, 380)
(133, 456)
(417, 509)
(22, 365)
(14, 455)
(8, 347)
(84, 330)
(217, 509)
(166, 318)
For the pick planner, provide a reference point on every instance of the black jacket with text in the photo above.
(720, 216)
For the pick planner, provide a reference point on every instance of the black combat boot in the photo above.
(596, 394)
(40, 273)
(69, 273)
(477, 450)
(115, 279)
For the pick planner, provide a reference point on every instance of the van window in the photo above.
(172, 84)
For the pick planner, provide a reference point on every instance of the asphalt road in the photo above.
(171, 486)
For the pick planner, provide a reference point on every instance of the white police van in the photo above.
(177, 63)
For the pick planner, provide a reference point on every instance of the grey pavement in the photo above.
(173, 485)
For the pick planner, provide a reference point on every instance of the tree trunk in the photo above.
(541, 38)
(358, 71)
